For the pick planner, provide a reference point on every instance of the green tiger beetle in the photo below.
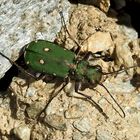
(49, 58)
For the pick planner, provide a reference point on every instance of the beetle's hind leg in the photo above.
(88, 98)
(53, 96)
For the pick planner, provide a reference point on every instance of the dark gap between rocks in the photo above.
(13, 71)
(128, 15)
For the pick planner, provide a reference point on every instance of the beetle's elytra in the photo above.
(46, 57)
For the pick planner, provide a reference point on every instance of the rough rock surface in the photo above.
(24, 21)
(66, 117)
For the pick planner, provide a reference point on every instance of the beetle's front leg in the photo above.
(93, 56)
(46, 78)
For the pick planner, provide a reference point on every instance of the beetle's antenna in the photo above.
(19, 67)
(94, 103)
(66, 30)
(119, 71)
(89, 98)
(107, 101)
(123, 116)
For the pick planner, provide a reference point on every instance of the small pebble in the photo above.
(34, 109)
(22, 132)
(83, 125)
(56, 121)
(74, 112)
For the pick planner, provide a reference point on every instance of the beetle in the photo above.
(49, 58)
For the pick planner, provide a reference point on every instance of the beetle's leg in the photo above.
(77, 51)
(20, 68)
(92, 56)
(45, 77)
(53, 96)
(77, 87)
(88, 55)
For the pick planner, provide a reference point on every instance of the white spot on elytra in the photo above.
(41, 61)
(46, 49)
(54, 74)
(27, 62)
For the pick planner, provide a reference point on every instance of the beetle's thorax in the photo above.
(86, 72)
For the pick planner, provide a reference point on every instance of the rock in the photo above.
(35, 108)
(74, 112)
(103, 135)
(22, 132)
(138, 101)
(83, 125)
(130, 33)
(29, 20)
(69, 89)
(56, 121)
(100, 41)
(118, 86)
(102, 4)
(77, 136)
(123, 56)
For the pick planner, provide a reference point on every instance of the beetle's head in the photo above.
(94, 74)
